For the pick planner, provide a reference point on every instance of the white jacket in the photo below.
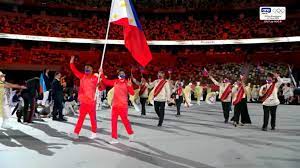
(164, 94)
(222, 87)
(272, 100)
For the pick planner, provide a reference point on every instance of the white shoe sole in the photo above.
(113, 142)
(6, 127)
(73, 136)
(92, 137)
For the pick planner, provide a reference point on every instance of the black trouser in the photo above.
(18, 112)
(242, 109)
(160, 111)
(178, 104)
(269, 110)
(28, 110)
(57, 109)
(204, 95)
(143, 103)
(15, 109)
(226, 109)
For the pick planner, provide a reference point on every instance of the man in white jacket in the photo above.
(269, 97)
(224, 95)
(162, 93)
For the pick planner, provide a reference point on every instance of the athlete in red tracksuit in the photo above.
(86, 97)
(120, 103)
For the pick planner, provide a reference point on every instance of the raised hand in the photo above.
(72, 59)
(243, 78)
(129, 83)
(276, 75)
(100, 71)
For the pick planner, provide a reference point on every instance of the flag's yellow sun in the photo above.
(123, 4)
(115, 16)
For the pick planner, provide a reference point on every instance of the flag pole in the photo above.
(105, 44)
(106, 37)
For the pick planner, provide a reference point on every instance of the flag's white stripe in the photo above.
(154, 42)
(131, 17)
(117, 12)
(122, 9)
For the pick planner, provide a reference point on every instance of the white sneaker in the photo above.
(74, 136)
(131, 138)
(93, 136)
(114, 141)
(5, 125)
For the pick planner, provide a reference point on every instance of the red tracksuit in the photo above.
(86, 97)
(119, 104)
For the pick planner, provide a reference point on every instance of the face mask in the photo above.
(269, 81)
(225, 81)
(87, 71)
(122, 76)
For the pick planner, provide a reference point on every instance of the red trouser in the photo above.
(83, 110)
(123, 113)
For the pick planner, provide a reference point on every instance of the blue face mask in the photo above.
(269, 81)
(122, 76)
(225, 81)
(87, 71)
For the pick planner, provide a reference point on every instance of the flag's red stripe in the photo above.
(135, 42)
(121, 22)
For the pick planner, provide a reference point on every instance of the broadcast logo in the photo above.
(272, 13)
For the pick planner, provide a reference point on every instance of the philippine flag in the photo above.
(205, 73)
(123, 13)
(42, 84)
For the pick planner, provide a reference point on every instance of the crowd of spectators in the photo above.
(156, 27)
(183, 65)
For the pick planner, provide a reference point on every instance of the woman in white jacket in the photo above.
(269, 97)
